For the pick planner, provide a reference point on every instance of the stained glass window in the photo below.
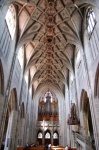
(91, 20)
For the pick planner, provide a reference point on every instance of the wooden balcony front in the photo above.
(72, 121)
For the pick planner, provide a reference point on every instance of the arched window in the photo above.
(47, 135)
(26, 77)
(21, 56)
(11, 20)
(78, 57)
(8, 31)
(55, 136)
(71, 77)
(40, 135)
(91, 20)
(92, 33)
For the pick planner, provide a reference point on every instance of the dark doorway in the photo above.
(55, 138)
(47, 137)
(39, 138)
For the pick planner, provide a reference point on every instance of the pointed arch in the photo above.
(56, 138)
(1, 79)
(13, 100)
(39, 137)
(96, 83)
(39, 134)
(47, 134)
(55, 134)
(86, 113)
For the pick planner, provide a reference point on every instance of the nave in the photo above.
(49, 73)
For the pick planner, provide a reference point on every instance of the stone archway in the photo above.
(11, 121)
(87, 119)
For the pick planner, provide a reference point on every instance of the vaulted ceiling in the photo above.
(51, 31)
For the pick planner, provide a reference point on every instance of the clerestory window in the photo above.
(11, 20)
(91, 20)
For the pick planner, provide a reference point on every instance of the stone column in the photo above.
(1, 106)
(11, 130)
(22, 125)
(43, 139)
(52, 132)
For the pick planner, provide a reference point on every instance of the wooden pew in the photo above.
(61, 148)
(57, 148)
(42, 148)
(32, 148)
(19, 148)
(73, 149)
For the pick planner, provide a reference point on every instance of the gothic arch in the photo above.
(47, 131)
(47, 136)
(86, 114)
(13, 100)
(1, 79)
(11, 118)
(12, 107)
(56, 132)
(96, 84)
(56, 138)
(39, 136)
(39, 131)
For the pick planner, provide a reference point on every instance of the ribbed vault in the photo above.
(51, 33)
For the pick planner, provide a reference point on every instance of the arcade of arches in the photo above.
(49, 73)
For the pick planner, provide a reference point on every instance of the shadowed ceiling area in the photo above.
(51, 35)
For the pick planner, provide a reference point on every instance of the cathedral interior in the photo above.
(49, 73)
